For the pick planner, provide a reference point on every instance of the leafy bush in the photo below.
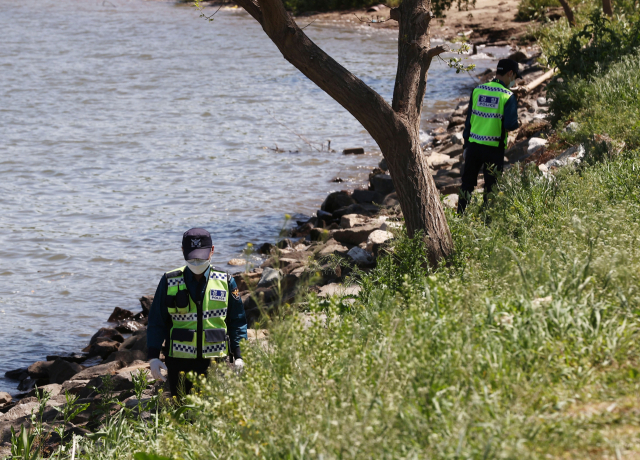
(599, 44)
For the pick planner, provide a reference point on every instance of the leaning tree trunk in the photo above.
(606, 8)
(395, 128)
(568, 12)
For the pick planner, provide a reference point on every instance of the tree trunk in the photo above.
(395, 128)
(606, 8)
(568, 12)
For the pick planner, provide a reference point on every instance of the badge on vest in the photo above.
(218, 295)
(490, 102)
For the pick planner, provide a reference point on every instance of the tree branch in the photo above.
(250, 7)
(366, 105)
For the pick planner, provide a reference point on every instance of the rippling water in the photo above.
(123, 123)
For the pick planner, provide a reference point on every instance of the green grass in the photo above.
(525, 346)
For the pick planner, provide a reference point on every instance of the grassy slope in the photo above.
(525, 347)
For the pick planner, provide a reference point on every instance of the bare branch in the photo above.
(438, 50)
(371, 21)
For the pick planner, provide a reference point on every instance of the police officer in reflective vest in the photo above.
(493, 111)
(197, 313)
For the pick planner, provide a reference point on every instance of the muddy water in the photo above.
(123, 123)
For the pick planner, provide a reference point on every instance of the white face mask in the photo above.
(512, 83)
(198, 266)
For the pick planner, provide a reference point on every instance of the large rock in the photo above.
(53, 389)
(536, 145)
(119, 314)
(4, 398)
(104, 348)
(571, 155)
(360, 256)
(378, 237)
(29, 384)
(367, 196)
(60, 370)
(365, 209)
(354, 236)
(451, 201)
(456, 121)
(145, 303)
(457, 138)
(126, 356)
(331, 247)
(106, 333)
(440, 160)
(382, 183)
(270, 276)
(17, 374)
(39, 370)
(21, 410)
(336, 200)
(352, 220)
(98, 371)
(74, 386)
(133, 369)
(127, 327)
(138, 341)
(119, 383)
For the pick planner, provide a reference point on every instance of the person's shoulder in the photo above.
(218, 272)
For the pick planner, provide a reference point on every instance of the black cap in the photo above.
(196, 244)
(506, 65)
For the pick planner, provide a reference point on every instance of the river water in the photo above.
(123, 123)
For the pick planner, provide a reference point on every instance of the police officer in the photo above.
(493, 111)
(197, 313)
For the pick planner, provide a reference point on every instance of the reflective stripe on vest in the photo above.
(487, 113)
(184, 334)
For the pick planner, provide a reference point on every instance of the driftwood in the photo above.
(535, 83)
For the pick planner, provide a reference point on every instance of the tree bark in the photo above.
(396, 127)
(606, 8)
(568, 12)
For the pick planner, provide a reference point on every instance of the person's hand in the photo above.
(238, 364)
(156, 366)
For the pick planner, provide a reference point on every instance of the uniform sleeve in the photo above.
(158, 316)
(236, 319)
(467, 123)
(511, 114)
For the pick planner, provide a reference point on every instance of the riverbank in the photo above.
(488, 22)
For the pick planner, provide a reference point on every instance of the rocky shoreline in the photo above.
(351, 229)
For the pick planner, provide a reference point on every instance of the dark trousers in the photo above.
(489, 159)
(178, 368)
